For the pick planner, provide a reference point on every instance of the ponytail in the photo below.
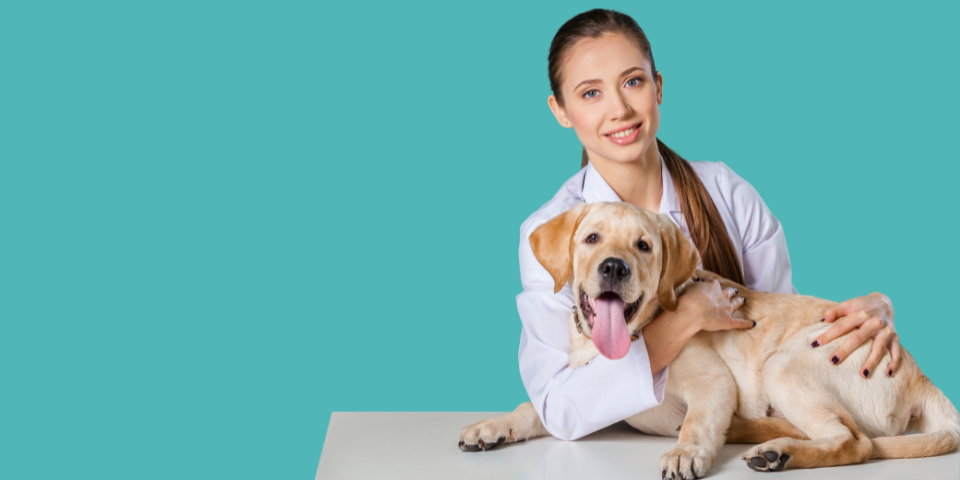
(703, 220)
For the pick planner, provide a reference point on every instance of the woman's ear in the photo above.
(680, 259)
(659, 82)
(558, 111)
(552, 244)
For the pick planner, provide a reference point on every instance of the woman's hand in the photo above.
(702, 306)
(872, 316)
(711, 307)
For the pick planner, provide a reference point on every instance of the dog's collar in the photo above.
(573, 310)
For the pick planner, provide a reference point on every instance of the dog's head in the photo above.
(622, 260)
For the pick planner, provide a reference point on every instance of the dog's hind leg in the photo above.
(834, 440)
(761, 430)
(935, 416)
(707, 387)
(517, 426)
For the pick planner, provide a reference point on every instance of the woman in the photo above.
(606, 87)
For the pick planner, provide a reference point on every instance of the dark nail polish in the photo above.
(823, 319)
(835, 360)
(815, 344)
(754, 324)
(890, 372)
(866, 372)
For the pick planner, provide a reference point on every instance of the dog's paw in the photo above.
(486, 435)
(582, 355)
(769, 457)
(685, 462)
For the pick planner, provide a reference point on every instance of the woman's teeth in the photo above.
(623, 133)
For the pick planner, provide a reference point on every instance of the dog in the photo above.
(727, 386)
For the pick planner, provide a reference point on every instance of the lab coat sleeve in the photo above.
(573, 403)
(766, 263)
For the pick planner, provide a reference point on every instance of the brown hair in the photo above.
(703, 220)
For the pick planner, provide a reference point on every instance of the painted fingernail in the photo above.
(754, 324)
(823, 319)
(866, 373)
(815, 344)
(835, 360)
(890, 372)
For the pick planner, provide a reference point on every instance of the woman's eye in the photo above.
(593, 238)
(643, 246)
(590, 96)
(638, 79)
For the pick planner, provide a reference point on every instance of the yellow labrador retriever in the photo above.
(627, 263)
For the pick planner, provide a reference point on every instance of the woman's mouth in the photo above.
(625, 136)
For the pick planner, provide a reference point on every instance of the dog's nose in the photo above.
(613, 270)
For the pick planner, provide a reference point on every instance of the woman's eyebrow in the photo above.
(593, 81)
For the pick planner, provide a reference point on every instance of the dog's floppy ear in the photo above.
(552, 244)
(680, 259)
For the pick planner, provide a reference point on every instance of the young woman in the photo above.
(606, 87)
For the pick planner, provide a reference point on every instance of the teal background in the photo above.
(222, 221)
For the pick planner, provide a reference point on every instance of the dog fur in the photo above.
(723, 385)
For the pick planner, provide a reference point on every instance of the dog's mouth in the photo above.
(607, 316)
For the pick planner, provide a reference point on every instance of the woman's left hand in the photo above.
(872, 316)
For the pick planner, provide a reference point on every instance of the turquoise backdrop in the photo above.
(222, 221)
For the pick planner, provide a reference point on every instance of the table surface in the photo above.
(423, 445)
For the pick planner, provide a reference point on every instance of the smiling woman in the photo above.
(606, 87)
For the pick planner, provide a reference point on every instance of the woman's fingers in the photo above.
(879, 347)
(744, 323)
(835, 312)
(730, 292)
(843, 326)
(865, 330)
(894, 348)
(736, 302)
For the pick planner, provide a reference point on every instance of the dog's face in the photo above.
(622, 260)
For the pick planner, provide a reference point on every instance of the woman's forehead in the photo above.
(603, 59)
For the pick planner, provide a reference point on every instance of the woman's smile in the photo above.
(625, 135)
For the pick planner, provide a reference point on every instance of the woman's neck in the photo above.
(639, 182)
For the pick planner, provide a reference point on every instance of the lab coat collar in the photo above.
(596, 189)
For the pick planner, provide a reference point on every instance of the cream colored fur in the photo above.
(835, 417)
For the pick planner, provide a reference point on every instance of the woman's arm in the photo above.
(703, 306)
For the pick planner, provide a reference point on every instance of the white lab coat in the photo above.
(575, 403)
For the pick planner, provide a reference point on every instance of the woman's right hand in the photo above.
(710, 307)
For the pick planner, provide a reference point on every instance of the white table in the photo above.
(423, 445)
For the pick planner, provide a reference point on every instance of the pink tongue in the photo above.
(610, 329)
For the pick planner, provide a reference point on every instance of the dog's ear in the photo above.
(680, 259)
(552, 244)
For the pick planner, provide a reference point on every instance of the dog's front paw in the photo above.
(486, 435)
(582, 355)
(769, 457)
(685, 462)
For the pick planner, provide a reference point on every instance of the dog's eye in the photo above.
(593, 238)
(643, 246)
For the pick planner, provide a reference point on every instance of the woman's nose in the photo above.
(620, 108)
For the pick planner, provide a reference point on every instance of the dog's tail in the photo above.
(935, 417)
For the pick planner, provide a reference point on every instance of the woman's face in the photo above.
(608, 87)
